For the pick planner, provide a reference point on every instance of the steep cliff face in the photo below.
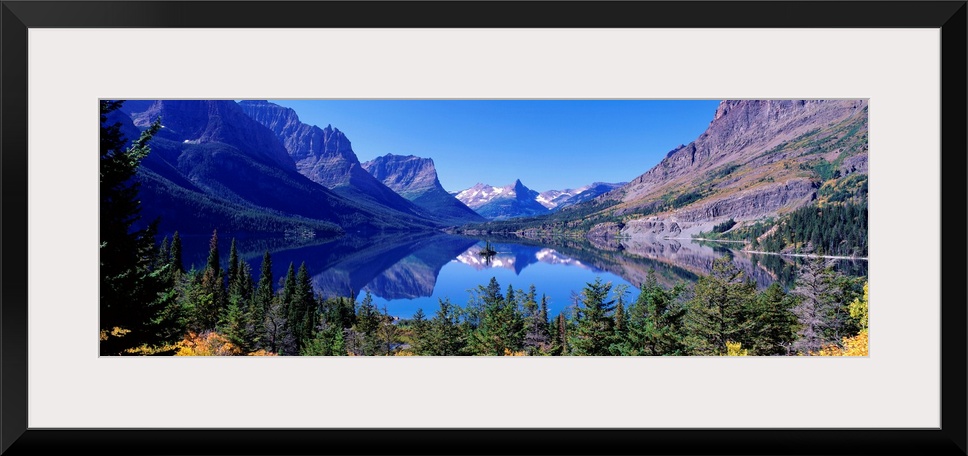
(757, 158)
(214, 121)
(211, 166)
(415, 179)
(742, 130)
(325, 155)
(405, 175)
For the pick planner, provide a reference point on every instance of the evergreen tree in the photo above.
(212, 305)
(137, 308)
(338, 346)
(536, 337)
(367, 322)
(774, 325)
(176, 253)
(594, 321)
(303, 308)
(233, 270)
(288, 302)
(261, 303)
(420, 332)
(501, 327)
(213, 263)
(235, 325)
(559, 341)
(445, 336)
(719, 308)
(619, 339)
(656, 324)
(163, 258)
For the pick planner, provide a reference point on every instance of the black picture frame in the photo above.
(17, 17)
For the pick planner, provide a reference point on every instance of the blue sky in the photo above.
(548, 144)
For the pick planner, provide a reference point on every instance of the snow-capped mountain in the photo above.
(498, 203)
(557, 199)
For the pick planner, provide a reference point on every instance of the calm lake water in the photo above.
(407, 271)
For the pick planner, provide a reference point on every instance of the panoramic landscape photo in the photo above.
(484, 227)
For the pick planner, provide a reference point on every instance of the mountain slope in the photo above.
(415, 179)
(326, 156)
(501, 203)
(756, 161)
(757, 158)
(212, 166)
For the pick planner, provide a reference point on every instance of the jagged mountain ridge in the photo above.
(212, 166)
(501, 203)
(756, 159)
(558, 199)
(325, 155)
(415, 179)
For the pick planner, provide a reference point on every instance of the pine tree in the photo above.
(137, 308)
(288, 301)
(619, 339)
(163, 258)
(233, 270)
(420, 331)
(719, 310)
(656, 325)
(367, 322)
(501, 327)
(594, 321)
(302, 310)
(176, 253)
(774, 324)
(338, 346)
(261, 303)
(213, 304)
(536, 337)
(445, 336)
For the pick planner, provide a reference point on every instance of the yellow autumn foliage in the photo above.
(508, 352)
(209, 343)
(858, 310)
(736, 349)
(261, 352)
(852, 346)
(115, 332)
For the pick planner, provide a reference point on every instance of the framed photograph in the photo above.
(890, 76)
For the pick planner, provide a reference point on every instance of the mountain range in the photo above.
(501, 203)
(757, 162)
(212, 166)
(253, 166)
(558, 199)
(517, 200)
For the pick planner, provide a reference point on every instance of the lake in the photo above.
(407, 271)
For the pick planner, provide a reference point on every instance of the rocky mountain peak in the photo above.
(415, 178)
(215, 121)
(403, 173)
(741, 131)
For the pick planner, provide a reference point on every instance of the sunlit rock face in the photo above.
(415, 179)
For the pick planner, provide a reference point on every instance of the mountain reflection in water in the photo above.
(407, 271)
